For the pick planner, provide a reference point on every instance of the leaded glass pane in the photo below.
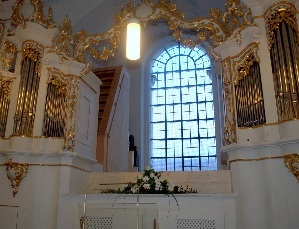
(182, 111)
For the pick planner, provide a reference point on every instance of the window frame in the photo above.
(216, 84)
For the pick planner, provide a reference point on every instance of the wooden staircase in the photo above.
(113, 117)
(106, 75)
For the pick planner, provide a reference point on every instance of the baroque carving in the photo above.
(229, 135)
(68, 84)
(33, 50)
(242, 62)
(291, 161)
(275, 15)
(8, 55)
(5, 86)
(248, 92)
(64, 39)
(217, 28)
(15, 173)
(37, 16)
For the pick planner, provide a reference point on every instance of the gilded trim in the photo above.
(229, 133)
(258, 17)
(231, 73)
(217, 27)
(70, 84)
(33, 137)
(278, 12)
(8, 55)
(53, 165)
(213, 54)
(33, 50)
(270, 9)
(15, 173)
(243, 61)
(269, 124)
(291, 161)
(5, 85)
(37, 16)
(255, 159)
(254, 44)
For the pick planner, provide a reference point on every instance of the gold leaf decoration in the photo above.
(291, 161)
(15, 173)
(68, 84)
(8, 55)
(37, 16)
(216, 28)
(5, 86)
(275, 15)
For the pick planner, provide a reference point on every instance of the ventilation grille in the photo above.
(98, 222)
(196, 224)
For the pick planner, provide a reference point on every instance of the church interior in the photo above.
(82, 118)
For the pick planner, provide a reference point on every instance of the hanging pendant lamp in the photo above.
(133, 40)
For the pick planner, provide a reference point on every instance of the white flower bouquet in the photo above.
(150, 182)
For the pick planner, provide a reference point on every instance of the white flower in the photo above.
(147, 186)
(157, 179)
(152, 175)
(139, 177)
(170, 188)
(133, 190)
(122, 188)
(147, 168)
(157, 188)
(145, 179)
(158, 184)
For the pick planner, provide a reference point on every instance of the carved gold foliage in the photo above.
(37, 16)
(243, 69)
(69, 140)
(229, 134)
(291, 161)
(235, 17)
(5, 86)
(58, 83)
(278, 13)
(69, 85)
(33, 50)
(62, 43)
(242, 62)
(15, 173)
(217, 28)
(8, 55)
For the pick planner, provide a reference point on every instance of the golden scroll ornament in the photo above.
(15, 173)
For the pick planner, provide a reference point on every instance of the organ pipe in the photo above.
(285, 67)
(27, 96)
(249, 97)
(55, 108)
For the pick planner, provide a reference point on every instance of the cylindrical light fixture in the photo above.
(133, 40)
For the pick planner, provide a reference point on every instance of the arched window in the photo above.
(182, 111)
